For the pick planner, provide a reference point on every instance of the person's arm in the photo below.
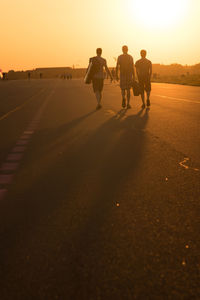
(150, 70)
(133, 70)
(117, 69)
(137, 70)
(108, 71)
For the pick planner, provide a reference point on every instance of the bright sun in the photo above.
(159, 13)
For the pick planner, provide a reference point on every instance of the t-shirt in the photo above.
(143, 67)
(99, 63)
(125, 61)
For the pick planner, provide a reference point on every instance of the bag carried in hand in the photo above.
(88, 77)
(136, 88)
(93, 68)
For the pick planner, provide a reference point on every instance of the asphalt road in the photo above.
(98, 204)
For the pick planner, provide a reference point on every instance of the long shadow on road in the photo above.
(70, 207)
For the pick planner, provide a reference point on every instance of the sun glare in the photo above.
(159, 13)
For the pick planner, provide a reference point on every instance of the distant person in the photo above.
(41, 75)
(113, 74)
(99, 64)
(29, 75)
(144, 72)
(127, 75)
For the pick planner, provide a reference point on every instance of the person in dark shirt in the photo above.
(127, 75)
(144, 72)
(98, 76)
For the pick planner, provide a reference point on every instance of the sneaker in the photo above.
(123, 102)
(99, 106)
(128, 106)
(148, 102)
(143, 106)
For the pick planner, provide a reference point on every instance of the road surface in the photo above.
(98, 204)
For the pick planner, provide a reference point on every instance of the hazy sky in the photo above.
(44, 33)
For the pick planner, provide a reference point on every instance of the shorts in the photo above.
(97, 84)
(126, 81)
(145, 84)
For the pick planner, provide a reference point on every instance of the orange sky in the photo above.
(44, 33)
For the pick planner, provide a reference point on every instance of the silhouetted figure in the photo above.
(29, 75)
(4, 76)
(113, 74)
(144, 72)
(99, 64)
(127, 75)
(41, 75)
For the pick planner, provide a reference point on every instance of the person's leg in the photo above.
(141, 84)
(148, 91)
(128, 98)
(101, 82)
(98, 96)
(97, 87)
(142, 97)
(123, 91)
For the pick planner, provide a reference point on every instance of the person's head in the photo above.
(99, 51)
(143, 53)
(125, 49)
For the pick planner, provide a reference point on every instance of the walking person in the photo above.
(127, 74)
(144, 72)
(99, 64)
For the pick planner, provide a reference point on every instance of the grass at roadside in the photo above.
(193, 80)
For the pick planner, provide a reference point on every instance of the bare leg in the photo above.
(148, 100)
(142, 96)
(128, 98)
(128, 95)
(123, 98)
(98, 96)
(123, 94)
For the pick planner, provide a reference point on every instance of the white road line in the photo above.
(14, 156)
(18, 149)
(7, 170)
(179, 99)
(6, 178)
(9, 166)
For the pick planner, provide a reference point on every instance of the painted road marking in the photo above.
(179, 99)
(6, 178)
(14, 156)
(13, 159)
(9, 166)
(22, 142)
(28, 132)
(25, 137)
(183, 164)
(18, 149)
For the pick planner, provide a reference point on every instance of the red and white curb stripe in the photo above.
(12, 162)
